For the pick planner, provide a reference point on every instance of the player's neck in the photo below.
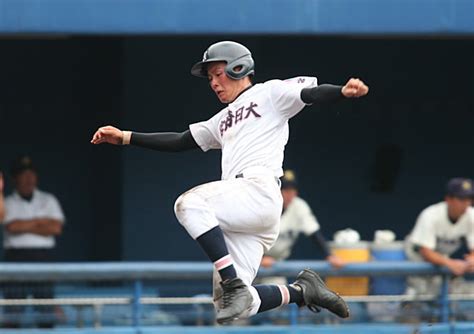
(244, 89)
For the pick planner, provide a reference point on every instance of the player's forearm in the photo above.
(318, 238)
(47, 227)
(2, 208)
(20, 226)
(322, 93)
(164, 141)
(434, 257)
(42, 226)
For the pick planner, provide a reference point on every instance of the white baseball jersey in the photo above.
(297, 218)
(253, 130)
(434, 230)
(42, 205)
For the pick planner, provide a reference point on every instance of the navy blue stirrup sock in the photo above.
(213, 244)
(270, 297)
(273, 296)
(296, 295)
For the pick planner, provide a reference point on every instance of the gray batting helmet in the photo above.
(234, 54)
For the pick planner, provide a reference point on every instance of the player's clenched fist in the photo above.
(108, 134)
(355, 88)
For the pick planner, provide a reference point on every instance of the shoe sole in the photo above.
(321, 282)
(228, 320)
(225, 321)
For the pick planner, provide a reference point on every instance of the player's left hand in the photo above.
(335, 261)
(1, 182)
(470, 261)
(354, 88)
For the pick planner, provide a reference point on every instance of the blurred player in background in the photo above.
(439, 232)
(296, 218)
(236, 220)
(33, 218)
(441, 229)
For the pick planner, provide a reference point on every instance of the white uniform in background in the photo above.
(252, 132)
(434, 230)
(297, 218)
(42, 205)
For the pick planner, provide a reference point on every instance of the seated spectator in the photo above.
(32, 220)
(296, 218)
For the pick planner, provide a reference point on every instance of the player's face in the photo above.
(226, 89)
(26, 182)
(457, 206)
(288, 195)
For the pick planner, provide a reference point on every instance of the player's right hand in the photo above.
(107, 134)
(336, 262)
(267, 261)
(355, 88)
(1, 183)
(457, 267)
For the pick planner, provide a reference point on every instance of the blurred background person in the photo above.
(33, 218)
(439, 232)
(297, 217)
(441, 229)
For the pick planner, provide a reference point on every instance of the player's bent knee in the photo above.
(194, 214)
(180, 208)
(185, 204)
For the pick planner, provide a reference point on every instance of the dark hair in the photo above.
(22, 164)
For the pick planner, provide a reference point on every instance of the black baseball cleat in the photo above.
(236, 299)
(316, 294)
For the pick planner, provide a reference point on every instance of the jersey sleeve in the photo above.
(54, 210)
(307, 221)
(423, 233)
(286, 94)
(206, 133)
(11, 212)
(470, 236)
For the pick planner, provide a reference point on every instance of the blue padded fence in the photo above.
(324, 329)
(139, 272)
(348, 17)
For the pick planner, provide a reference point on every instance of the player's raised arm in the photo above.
(327, 93)
(160, 141)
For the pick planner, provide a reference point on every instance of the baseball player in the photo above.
(440, 229)
(235, 220)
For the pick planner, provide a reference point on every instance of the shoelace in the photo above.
(227, 297)
(314, 308)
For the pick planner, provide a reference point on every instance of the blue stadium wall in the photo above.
(367, 164)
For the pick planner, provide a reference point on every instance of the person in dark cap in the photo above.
(439, 232)
(33, 218)
(296, 218)
(441, 229)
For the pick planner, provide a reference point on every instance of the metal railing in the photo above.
(139, 272)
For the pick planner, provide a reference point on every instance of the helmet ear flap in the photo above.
(240, 68)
